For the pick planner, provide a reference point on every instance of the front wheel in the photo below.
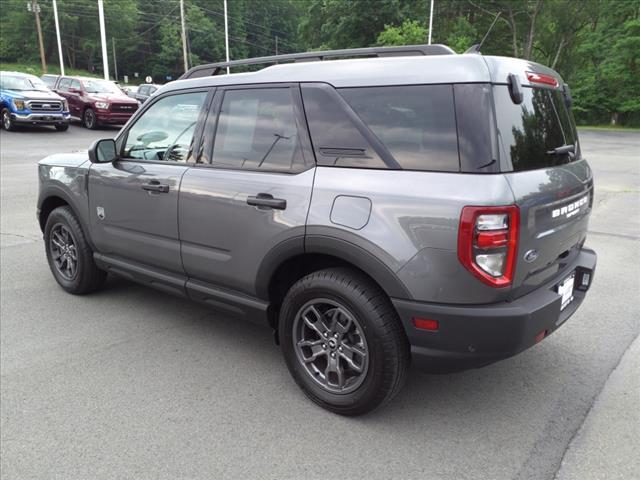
(342, 341)
(69, 254)
(7, 122)
(89, 119)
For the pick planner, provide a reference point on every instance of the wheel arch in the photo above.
(291, 261)
(54, 198)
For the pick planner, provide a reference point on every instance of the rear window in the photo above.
(529, 132)
(417, 124)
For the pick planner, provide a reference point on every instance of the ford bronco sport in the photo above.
(412, 206)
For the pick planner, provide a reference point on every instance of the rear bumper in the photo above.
(474, 336)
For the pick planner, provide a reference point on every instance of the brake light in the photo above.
(488, 243)
(542, 78)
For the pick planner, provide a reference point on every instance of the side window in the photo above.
(165, 130)
(143, 90)
(64, 84)
(75, 84)
(257, 131)
(416, 123)
(336, 140)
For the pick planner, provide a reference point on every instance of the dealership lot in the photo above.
(132, 383)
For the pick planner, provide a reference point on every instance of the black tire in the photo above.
(62, 128)
(7, 122)
(89, 119)
(86, 277)
(385, 343)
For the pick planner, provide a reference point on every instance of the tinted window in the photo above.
(416, 123)
(476, 128)
(538, 125)
(257, 131)
(165, 130)
(336, 139)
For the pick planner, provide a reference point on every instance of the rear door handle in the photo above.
(266, 200)
(155, 186)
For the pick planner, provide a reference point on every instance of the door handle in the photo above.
(155, 186)
(266, 201)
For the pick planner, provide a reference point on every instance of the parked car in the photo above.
(374, 212)
(25, 100)
(130, 90)
(145, 91)
(50, 80)
(96, 102)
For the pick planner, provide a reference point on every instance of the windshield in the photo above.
(97, 86)
(533, 132)
(20, 83)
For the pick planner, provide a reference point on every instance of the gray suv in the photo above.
(414, 205)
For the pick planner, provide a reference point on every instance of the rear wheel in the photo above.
(342, 341)
(7, 122)
(89, 119)
(69, 255)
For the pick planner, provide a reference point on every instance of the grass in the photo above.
(609, 127)
(36, 69)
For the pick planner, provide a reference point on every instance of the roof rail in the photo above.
(215, 68)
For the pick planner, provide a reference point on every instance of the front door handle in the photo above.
(266, 201)
(155, 186)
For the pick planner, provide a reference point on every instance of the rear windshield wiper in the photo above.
(563, 150)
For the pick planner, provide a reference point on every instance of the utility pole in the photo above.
(276, 45)
(430, 22)
(103, 40)
(226, 33)
(115, 63)
(33, 6)
(184, 37)
(55, 17)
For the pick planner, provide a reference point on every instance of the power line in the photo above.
(267, 35)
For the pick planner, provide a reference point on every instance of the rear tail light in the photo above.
(488, 243)
(543, 79)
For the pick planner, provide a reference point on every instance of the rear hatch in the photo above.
(551, 182)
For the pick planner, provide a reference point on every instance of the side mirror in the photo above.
(103, 151)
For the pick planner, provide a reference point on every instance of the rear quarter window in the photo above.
(417, 124)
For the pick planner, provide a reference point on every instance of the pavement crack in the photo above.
(593, 402)
(616, 235)
(35, 239)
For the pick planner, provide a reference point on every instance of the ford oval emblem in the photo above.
(531, 256)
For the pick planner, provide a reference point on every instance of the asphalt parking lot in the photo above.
(132, 383)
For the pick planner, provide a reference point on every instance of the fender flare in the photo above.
(56, 191)
(335, 243)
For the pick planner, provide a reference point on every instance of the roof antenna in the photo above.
(476, 48)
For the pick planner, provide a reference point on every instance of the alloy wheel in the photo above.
(330, 345)
(63, 251)
(89, 118)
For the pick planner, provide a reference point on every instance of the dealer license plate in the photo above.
(565, 290)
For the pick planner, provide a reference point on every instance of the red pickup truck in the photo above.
(96, 102)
